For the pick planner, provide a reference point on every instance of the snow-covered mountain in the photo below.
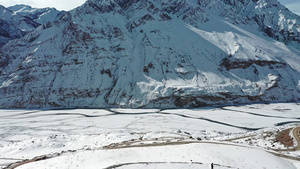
(13, 26)
(39, 15)
(22, 22)
(156, 53)
(18, 20)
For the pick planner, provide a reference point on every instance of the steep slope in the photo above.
(164, 54)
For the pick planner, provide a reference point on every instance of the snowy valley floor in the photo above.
(229, 137)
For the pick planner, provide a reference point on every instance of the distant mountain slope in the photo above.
(8, 31)
(23, 23)
(13, 26)
(39, 15)
(18, 20)
(164, 54)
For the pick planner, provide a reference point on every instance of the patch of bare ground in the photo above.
(285, 138)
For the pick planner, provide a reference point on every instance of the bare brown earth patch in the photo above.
(285, 138)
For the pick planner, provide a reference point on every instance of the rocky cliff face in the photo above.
(162, 54)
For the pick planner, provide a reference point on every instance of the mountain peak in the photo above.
(101, 6)
(19, 7)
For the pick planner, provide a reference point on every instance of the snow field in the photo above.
(25, 134)
(233, 156)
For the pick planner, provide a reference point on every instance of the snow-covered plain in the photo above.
(148, 138)
(237, 158)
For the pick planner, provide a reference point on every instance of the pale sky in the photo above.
(293, 5)
(58, 4)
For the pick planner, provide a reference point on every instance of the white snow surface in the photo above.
(239, 157)
(83, 134)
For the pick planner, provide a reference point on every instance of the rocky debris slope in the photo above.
(163, 54)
